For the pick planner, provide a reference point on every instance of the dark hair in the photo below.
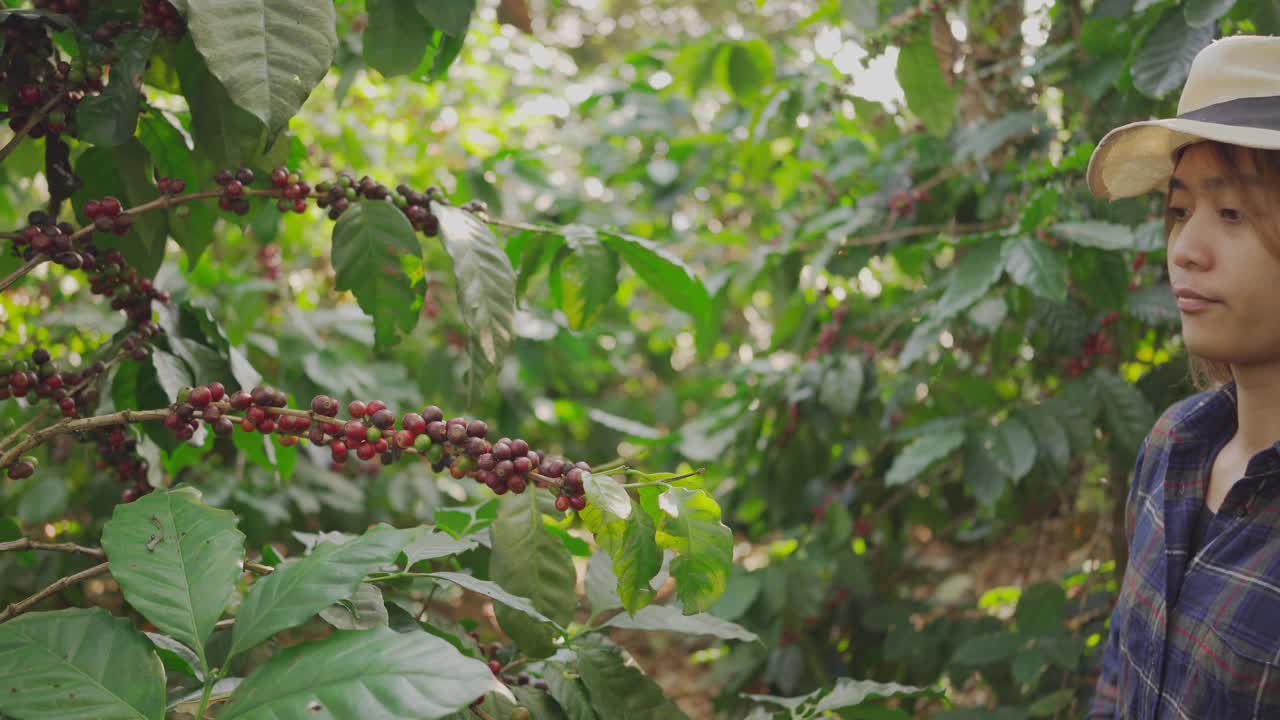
(1237, 161)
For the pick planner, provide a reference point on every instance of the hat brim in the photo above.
(1137, 158)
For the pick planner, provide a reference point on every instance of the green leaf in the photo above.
(666, 618)
(928, 95)
(690, 525)
(1036, 266)
(842, 385)
(632, 549)
(605, 491)
(584, 279)
(362, 673)
(569, 692)
(269, 54)
(618, 691)
(1051, 437)
(485, 282)
(189, 223)
(364, 610)
(988, 648)
(1041, 608)
(428, 544)
(977, 141)
(848, 693)
(1011, 446)
(663, 272)
(78, 663)
(176, 560)
(109, 118)
(530, 562)
(396, 37)
(1161, 66)
(1094, 233)
(1126, 414)
(747, 68)
(494, 592)
(1199, 13)
(1154, 305)
(124, 172)
(1028, 665)
(1052, 704)
(450, 17)
(371, 243)
(974, 274)
(920, 454)
(301, 587)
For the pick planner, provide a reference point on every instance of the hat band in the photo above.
(1252, 112)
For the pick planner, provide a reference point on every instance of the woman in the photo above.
(1195, 632)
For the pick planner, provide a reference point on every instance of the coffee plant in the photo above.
(443, 358)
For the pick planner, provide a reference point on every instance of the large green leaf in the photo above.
(975, 272)
(124, 172)
(632, 548)
(1051, 436)
(1199, 13)
(1036, 266)
(269, 54)
(362, 673)
(78, 663)
(448, 16)
(920, 454)
(667, 618)
(176, 560)
(988, 648)
(584, 279)
(663, 272)
(485, 280)
(1126, 414)
(747, 68)
(1094, 233)
(1040, 609)
(300, 588)
(372, 243)
(493, 592)
(190, 224)
(110, 117)
(396, 37)
(928, 95)
(530, 562)
(1012, 447)
(569, 692)
(848, 693)
(1161, 66)
(617, 690)
(429, 544)
(690, 525)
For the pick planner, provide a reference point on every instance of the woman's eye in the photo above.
(1230, 215)
(1176, 214)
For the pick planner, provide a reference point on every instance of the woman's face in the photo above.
(1215, 250)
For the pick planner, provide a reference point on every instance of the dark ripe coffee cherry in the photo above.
(19, 380)
(357, 409)
(68, 407)
(519, 448)
(172, 421)
(201, 397)
(316, 435)
(562, 503)
(477, 429)
(40, 356)
(477, 447)
(266, 427)
(585, 467)
(338, 450)
(573, 478)
(211, 413)
(387, 458)
(502, 450)
(414, 423)
(504, 469)
(436, 431)
(21, 470)
(495, 666)
(431, 413)
(577, 502)
(217, 391)
(403, 439)
(279, 177)
(247, 425)
(366, 452)
(375, 406)
(383, 419)
(320, 404)
(222, 177)
(223, 426)
(244, 176)
(487, 461)
(111, 206)
(262, 395)
(255, 415)
(130, 494)
(522, 465)
(517, 484)
(185, 411)
(355, 431)
(457, 434)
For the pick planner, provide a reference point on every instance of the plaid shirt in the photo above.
(1196, 637)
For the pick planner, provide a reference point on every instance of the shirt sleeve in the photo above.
(1105, 696)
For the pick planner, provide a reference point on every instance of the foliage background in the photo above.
(885, 381)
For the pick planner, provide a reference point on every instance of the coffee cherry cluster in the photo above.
(41, 236)
(108, 216)
(171, 186)
(293, 190)
(271, 259)
(33, 74)
(163, 15)
(23, 468)
(1095, 343)
(41, 378)
(903, 201)
(234, 183)
(118, 452)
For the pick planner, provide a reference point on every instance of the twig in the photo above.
(258, 568)
(62, 583)
(25, 268)
(32, 121)
(29, 544)
(79, 425)
(914, 230)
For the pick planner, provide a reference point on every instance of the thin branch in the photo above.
(915, 230)
(32, 121)
(63, 583)
(29, 544)
(25, 268)
(79, 425)
(258, 568)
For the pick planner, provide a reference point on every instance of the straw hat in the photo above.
(1232, 95)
